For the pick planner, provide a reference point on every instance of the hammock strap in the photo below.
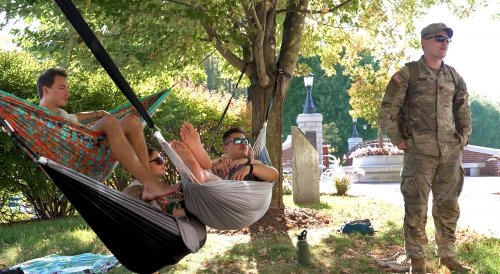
(281, 72)
(219, 124)
(83, 29)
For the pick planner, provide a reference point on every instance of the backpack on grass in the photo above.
(361, 226)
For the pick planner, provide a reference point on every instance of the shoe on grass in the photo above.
(396, 263)
(418, 266)
(454, 265)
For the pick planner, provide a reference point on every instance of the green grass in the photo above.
(331, 252)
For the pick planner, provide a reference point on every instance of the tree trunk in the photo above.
(380, 137)
(263, 69)
(260, 98)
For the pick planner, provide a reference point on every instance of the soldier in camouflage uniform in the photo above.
(435, 127)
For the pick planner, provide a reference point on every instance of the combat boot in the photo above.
(418, 266)
(453, 265)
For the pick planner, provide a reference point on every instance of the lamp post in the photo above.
(354, 129)
(309, 105)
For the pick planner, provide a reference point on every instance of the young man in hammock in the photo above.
(237, 165)
(124, 138)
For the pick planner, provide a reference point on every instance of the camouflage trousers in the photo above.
(444, 176)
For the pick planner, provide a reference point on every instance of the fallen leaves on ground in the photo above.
(292, 218)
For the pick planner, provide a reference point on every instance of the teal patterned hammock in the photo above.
(74, 145)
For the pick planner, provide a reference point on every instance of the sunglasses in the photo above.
(158, 160)
(238, 141)
(440, 38)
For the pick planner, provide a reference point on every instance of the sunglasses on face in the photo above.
(440, 38)
(158, 161)
(238, 141)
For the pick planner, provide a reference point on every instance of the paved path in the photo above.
(479, 206)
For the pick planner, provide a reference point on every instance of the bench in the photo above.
(473, 168)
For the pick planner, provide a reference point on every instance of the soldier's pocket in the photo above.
(409, 188)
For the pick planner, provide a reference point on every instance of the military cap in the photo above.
(434, 28)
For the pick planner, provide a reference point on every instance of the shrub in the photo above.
(342, 178)
(342, 183)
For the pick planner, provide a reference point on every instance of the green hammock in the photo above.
(75, 145)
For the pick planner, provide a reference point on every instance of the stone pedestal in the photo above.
(305, 169)
(378, 168)
(354, 141)
(311, 124)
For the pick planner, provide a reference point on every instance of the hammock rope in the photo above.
(219, 124)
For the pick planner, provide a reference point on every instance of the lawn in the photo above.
(275, 252)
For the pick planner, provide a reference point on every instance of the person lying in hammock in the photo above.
(237, 165)
(238, 162)
(158, 167)
(124, 138)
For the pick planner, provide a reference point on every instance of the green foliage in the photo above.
(485, 117)
(172, 37)
(331, 136)
(342, 184)
(330, 99)
(217, 81)
(95, 90)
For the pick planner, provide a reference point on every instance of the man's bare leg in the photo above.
(134, 132)
(191, 138)
(124, 153)
(187, 157)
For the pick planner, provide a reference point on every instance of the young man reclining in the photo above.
(238, 164)
(124, 138)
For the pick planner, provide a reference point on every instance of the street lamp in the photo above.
(308, 83)
(354, 129)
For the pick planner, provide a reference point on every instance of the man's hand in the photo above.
(403, 145)
(221, 166)
(241, 173)
(250, 152)
(238, 162)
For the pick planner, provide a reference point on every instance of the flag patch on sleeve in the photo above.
(396, 77)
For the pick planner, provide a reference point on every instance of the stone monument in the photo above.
(305, 187)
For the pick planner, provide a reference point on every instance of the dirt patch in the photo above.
(281, 221)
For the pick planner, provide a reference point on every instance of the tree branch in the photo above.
(220, 46)
(292, 35)
(180, 3)
(258, 46)
(322, 11)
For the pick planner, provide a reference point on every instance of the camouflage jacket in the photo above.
(437, 113)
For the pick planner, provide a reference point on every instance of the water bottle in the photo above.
(302, 248)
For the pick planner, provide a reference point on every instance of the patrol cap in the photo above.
(434, 28)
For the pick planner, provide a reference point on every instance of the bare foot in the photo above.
(191, 138)
(188, 158)
(154, 190)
